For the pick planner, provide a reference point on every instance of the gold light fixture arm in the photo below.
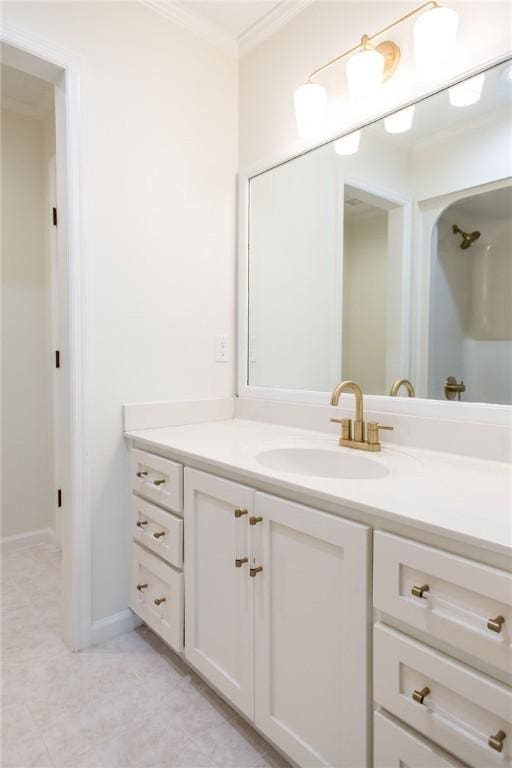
(368, 38)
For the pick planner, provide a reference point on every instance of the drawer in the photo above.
(160, 531)
(157, 479)
(462, 596)
(461, 709)
(157, 596)
(395, 746)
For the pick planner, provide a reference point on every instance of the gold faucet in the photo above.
(402, 383)
(356, 438)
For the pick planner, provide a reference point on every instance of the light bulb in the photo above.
(434, 32)
(468, 92)
(399, 122)
(365, 71)
(347, 145)
(310, 110)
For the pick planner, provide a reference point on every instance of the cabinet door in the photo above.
(311, 633)
(219, 594)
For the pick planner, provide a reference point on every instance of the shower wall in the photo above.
(470, 333)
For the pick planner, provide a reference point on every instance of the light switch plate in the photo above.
(222, 348)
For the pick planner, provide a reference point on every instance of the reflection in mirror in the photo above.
(365, 261)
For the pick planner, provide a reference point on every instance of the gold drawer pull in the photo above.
(159, 600)
(240, 561)
(141, 474)
(254, 571)
(420, 696)
(240, 512)
(141, 523)
(158, 482)
(158, 534)
(418, 591)
(496, 741)
(254, 520)
(140, 587)
(496, 625)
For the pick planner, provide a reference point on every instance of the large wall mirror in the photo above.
(387, 254)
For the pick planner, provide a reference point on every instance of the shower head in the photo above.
(468, 238)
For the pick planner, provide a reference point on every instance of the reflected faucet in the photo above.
(402, 383)
(357, 439)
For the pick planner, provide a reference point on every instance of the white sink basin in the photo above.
(318, 462)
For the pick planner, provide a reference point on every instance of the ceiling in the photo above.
(24, 93)
(233, 25)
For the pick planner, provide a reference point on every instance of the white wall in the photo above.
(270, 73)
(161, 137)
(27, 460)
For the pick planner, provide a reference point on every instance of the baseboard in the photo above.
(110, 626)
(29, 539)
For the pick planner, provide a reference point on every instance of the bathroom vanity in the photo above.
(358, 618)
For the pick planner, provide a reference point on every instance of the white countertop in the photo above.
(462, 498)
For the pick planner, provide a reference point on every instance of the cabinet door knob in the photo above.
(140, 587)
(255, 520)
(158, 482)
(141, 523)
(496, 625)
(254, 571)
(418, 591)
(159, 600)
(420, 696)
(158, 534)
(240, 512)
(496, 741)
(141, 474)
(240, 561)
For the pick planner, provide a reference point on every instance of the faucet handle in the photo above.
(373, 431)
(346, 428)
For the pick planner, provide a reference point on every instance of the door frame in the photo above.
(65, 70)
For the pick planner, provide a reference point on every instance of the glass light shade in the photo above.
(434, 33)
(466, 93)
(365, 71)
(348, 145)
(400, 122)
(509, 74)
(310, 110)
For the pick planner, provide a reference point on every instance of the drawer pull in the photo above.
(240, 512)
(158, 534)
(141, 474)
(254, 520)
(496, 741)
(158, 482)
(418, 591)
(159, 600)
(420, 696)
(140, 587)
(254, 571)
(141, 523)
(496, 625)
(240, 561)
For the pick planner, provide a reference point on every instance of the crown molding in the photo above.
(179, 14)
(269, 23)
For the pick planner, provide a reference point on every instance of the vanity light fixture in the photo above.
(370, 65)
(349, 144)
(399, 122)
(468, 92)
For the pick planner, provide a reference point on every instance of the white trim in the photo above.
(76, 543)
(486, 413)
(270, 23)
(111, 626)
(29, 539)
(178, 13)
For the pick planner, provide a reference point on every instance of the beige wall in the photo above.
(27, 461)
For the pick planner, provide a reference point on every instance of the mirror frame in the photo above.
(488, 413)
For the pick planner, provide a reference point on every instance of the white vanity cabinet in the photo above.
(277, 616)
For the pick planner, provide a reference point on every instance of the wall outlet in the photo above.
(222, 348)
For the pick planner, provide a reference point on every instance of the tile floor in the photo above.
(129, 702)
